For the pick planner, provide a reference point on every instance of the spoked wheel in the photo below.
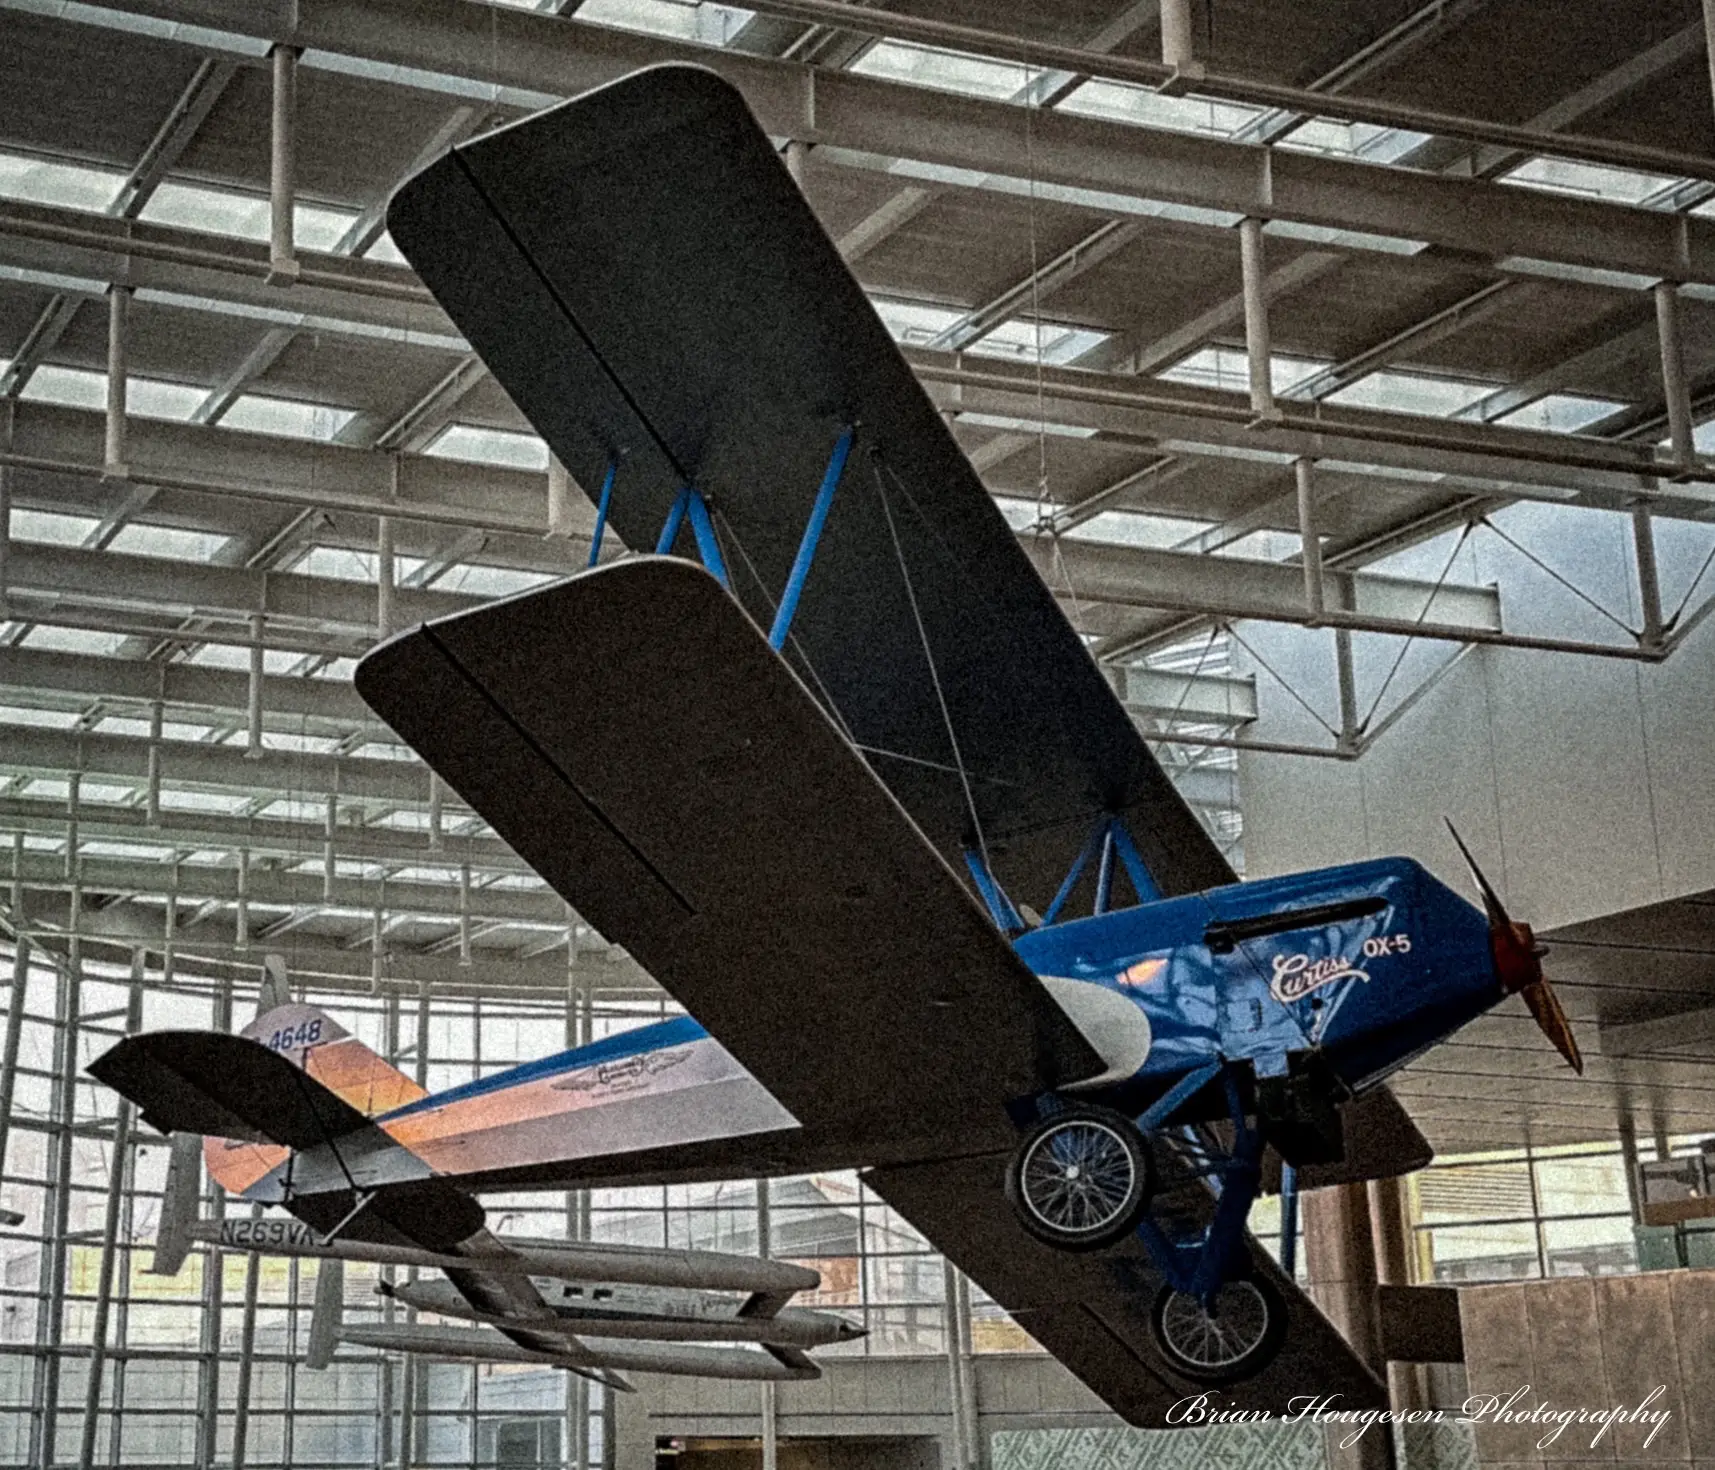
(1234, 1340)
(1081, 1179)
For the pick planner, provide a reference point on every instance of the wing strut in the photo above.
(812, 538)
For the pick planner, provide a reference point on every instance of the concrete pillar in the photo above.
(1340, 1259)
(1391, 1238)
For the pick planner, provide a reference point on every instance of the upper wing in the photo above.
(642, 276)
(632, 736)
(1092, 1312)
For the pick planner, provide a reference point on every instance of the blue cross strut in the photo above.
(812, 538)
(601, 512)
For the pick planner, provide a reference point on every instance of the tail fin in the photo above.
(312, 1039)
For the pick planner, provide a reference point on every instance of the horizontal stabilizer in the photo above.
(223, 1086)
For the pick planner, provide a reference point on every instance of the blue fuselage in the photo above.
(1369, 964)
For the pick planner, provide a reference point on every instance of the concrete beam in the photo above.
(552, 57)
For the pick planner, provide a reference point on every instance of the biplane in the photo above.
(844, 779)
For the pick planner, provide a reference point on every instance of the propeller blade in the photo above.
(1492, 905)
(1545, 1007)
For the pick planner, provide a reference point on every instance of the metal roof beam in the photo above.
(490, 45)
(205, 459)
(272, 836)
(181, 686)
(1520, 463)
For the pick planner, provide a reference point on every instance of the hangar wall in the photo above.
(1581, 783)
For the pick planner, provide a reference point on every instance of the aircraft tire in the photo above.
(1082, 1179)
(1232, 1345)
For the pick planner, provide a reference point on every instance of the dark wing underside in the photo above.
(1092, 1312)
(632, 736)
(640, 273)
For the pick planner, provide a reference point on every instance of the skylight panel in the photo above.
(914, 323)
(339, 668)
(183, 799)
(294, 809)
(1018, 340)
(709, 24)
(1131, 528)
(474, 444)
(171, 542)
(405, 820)
(49, 181)
(287, 418)
(244, 216)
(75, 640)
(945, 71)
(1562, 413)
(384, 750)
(426, 875)
(1228, 368)
(53, 788)
(1359, 140)
(1411, 393)
(486, 581)
(383, 249)
(43, 719)
(237, 656)
(1263, 545)
(297, 744)
(145, 398)
(140, 728)
(1020, 514)
(1024, 426)
(51, 527)
(346, 564)
(1145, 107)
(1589, 180)
(138, 850)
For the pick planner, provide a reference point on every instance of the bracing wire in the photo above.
(1422, 617)
(934, 670)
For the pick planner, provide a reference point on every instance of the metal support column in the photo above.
(283, 157)
(1628, 1130)
(1675, 389)
(1258, 350)
(1177, 43)
(955, 1377)
(253, 712)
(8, 410)
(1304, 471)
(1709, 40)
(14, 1017)
(1349, 732)
(109, 1246)
(152, 790)
(118, 377)
(50, 1324)
(559, 498)
(770, 1405)
(386, 576)
(1649, 577)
